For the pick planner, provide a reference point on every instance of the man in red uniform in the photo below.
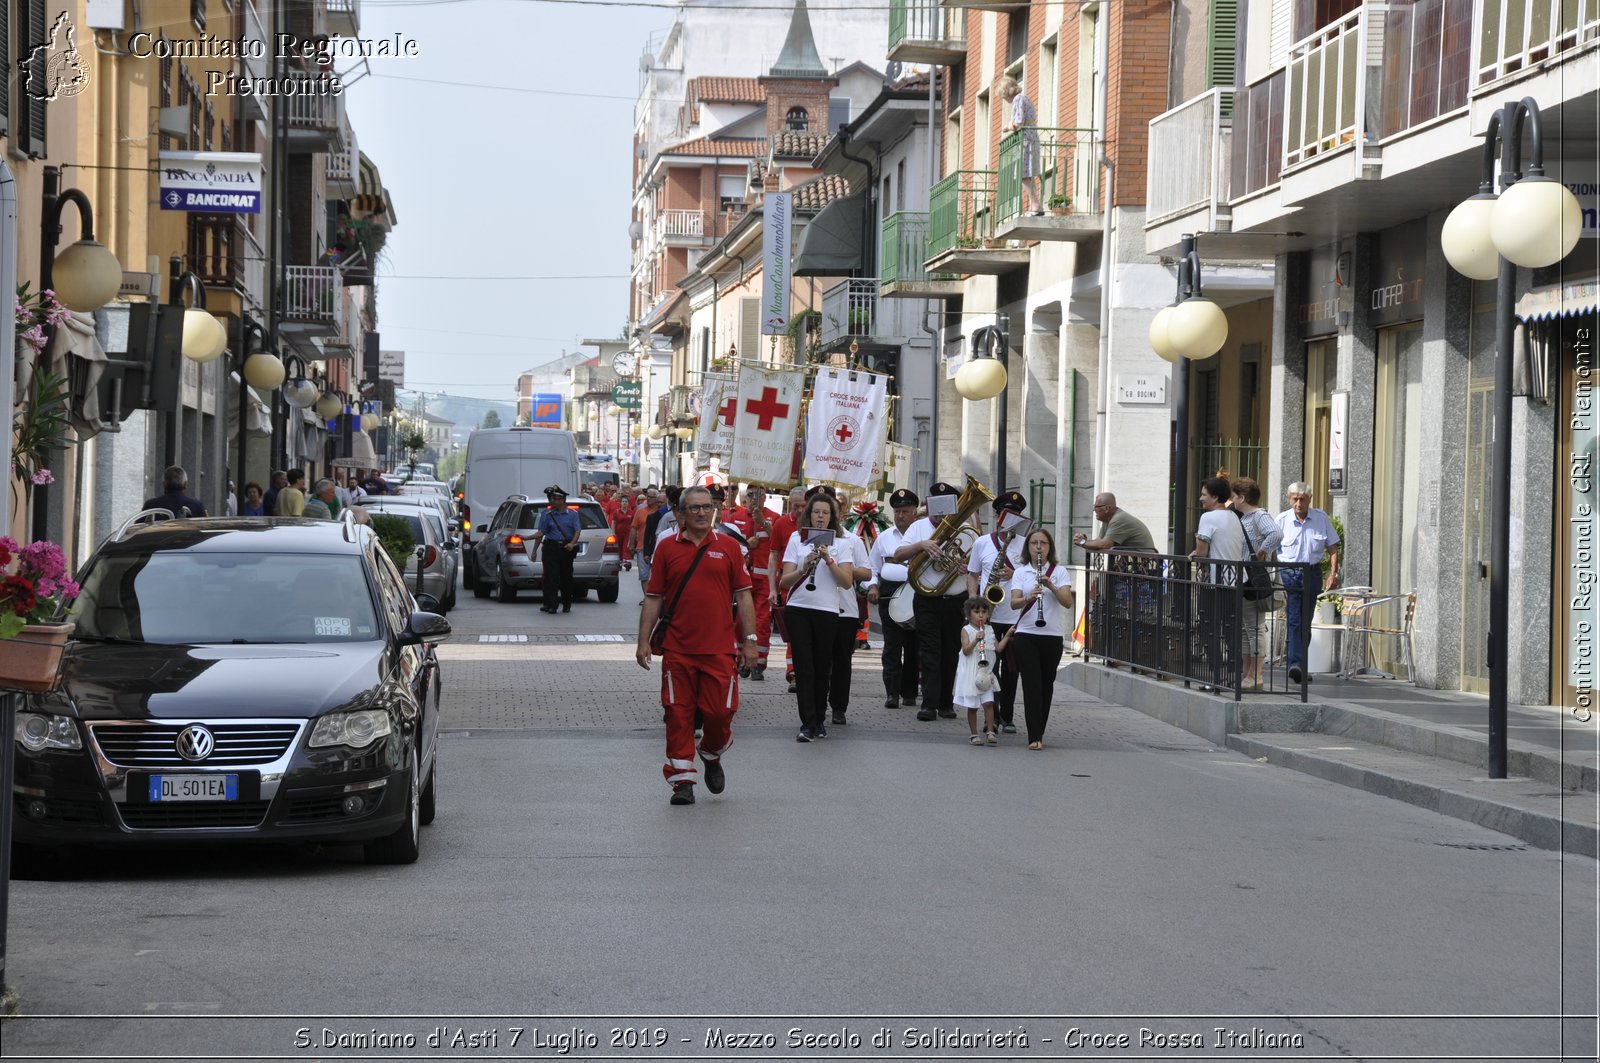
(753, 520)
(782, 529)
(621, 521)
(697, 662)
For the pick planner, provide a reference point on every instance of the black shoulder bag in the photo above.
(1258, 583)
(658, 633)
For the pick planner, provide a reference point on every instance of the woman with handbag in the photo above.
(1041, 592)
(1262, 596)
(813, 574)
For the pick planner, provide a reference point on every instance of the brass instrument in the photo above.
(995, 590)
(955, 534)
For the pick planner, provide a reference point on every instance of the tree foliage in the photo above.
(491, 419)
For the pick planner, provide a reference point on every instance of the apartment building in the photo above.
(132, 99)
(1335, 147)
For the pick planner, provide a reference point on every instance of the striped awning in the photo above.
(1551, 301)
(371, 197)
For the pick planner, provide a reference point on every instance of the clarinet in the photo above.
(811, 576)
(1038, 568)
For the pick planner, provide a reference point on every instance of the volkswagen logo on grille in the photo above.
(195, 743)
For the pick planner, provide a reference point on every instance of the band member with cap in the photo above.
(696, 665)
(557, 534)
(782, 529)
(980, 567)
(756, 523)
(900, 665)
(939, 618)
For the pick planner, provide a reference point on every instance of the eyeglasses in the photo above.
(698, 509)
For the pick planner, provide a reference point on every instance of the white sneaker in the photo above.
(990, 737)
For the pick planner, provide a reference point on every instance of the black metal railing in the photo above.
(1212, 624)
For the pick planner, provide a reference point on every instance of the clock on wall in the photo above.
(622, 364)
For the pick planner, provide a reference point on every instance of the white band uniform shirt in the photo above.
(883, 547)
(1055, 614)
(850, 550)
(984, 551)
(922, 531)
(825, 597)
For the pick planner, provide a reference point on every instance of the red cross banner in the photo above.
(715, 436)
(846, 428)
(765, 422)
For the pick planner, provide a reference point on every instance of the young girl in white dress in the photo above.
(980, 652)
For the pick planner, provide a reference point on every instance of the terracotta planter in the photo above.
(32, 660)
(1060, 212)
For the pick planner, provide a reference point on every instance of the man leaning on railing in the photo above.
(1111, 620)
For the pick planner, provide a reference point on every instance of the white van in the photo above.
(502, 462)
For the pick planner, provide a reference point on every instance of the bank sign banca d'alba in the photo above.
(211, 182)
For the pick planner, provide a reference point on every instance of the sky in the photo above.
(504, 144)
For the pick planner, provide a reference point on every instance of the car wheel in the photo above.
(503, 590)
(402, 846)
(469, 575)
(608, 593)
(427, 805)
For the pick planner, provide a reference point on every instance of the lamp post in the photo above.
(84, 278)
(204, 339)
(1535, 222)
(1192, 327)
(984, 376)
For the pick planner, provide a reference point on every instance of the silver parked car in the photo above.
(440, 558)
(506, 565)
(442, 529)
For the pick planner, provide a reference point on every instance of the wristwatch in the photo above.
(751, 638)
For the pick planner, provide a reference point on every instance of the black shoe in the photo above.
(925, 715)
(758, 674)
(545, 609)
(744, 672)
(805, 735)
(1295, 674)
(683, 793)
(564, 609)
(1007, 729)
(822, 732)
(838, 719)
(891, 702)
(948, 714)
(791, 686)
(716, 779)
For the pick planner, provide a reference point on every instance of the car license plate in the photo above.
(194, 788)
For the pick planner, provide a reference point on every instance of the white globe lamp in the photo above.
(204, 337)
(1536, 222)
(1467, 241)
(656, 432)
(300, 393)
(1198, 328)
(86, 276)
(263, 370)
(1160, 341)
(328, 407)
(981, 378)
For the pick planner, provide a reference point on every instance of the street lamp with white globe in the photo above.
(1192, 327)
(1534, 222)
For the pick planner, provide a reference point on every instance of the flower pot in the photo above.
(1060, 212)
(32, 660)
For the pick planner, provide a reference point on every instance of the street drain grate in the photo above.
(1484, 847)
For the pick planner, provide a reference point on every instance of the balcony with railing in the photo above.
(923, 31)
(344, 17)
(346, 339)
(311, 120)
(961, 235)
(849, 315)
(1187, 180)
(901, 264)
(1066, 168)
(1519, 35)
(343, 176)
(681, 228)
(311, 300)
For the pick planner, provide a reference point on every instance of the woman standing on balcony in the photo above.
(1024, 118)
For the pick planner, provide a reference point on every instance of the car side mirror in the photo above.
(449, 544)
(426, 627)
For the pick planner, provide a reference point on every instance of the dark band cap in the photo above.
(902, 497)
(942, 488)
(821, 489)
(1011, 500)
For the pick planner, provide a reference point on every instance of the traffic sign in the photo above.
(627, 394)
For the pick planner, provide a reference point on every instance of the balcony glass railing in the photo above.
(1516, 34)
(925, 21)
(848, 311)
(1189, 152)
(960, 211)
(1326, 89)
(1065, 163)
(1258, 135)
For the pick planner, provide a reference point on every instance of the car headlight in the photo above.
(38, 732)
(354, 729)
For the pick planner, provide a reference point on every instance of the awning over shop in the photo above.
(371, 197)
(831, 242)
(362, 454)
(258, 415)
(1551, 301)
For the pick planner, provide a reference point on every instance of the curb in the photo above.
(9, 1002)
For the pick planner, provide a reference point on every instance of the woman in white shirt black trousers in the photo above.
(1042, 595)
(813, 579)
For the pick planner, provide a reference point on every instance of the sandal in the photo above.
(1035, 745)
(989, 737)
(977, 740)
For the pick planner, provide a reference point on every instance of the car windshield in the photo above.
(193, 597)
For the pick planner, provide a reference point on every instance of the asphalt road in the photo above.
(1129, 877)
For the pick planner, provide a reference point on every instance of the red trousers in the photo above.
(760, 589)
(691, 682)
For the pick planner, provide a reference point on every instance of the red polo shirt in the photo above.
(703, 620)
(759, 539)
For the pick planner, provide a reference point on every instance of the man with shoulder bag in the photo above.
(695, 574)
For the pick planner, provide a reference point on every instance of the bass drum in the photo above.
(901, 610)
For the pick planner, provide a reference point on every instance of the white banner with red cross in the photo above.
(714, 439)
(765, 423)
(846, 428)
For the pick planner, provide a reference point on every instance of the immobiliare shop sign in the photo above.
(212, 182)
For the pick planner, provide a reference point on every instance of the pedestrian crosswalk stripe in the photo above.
(599, 638)
(502, 638)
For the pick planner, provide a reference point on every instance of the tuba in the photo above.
(935, 575)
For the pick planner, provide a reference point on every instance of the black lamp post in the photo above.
(251, 332)
(1192, 327)
(1535, 222)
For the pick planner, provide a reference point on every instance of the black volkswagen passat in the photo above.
(237, 679)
